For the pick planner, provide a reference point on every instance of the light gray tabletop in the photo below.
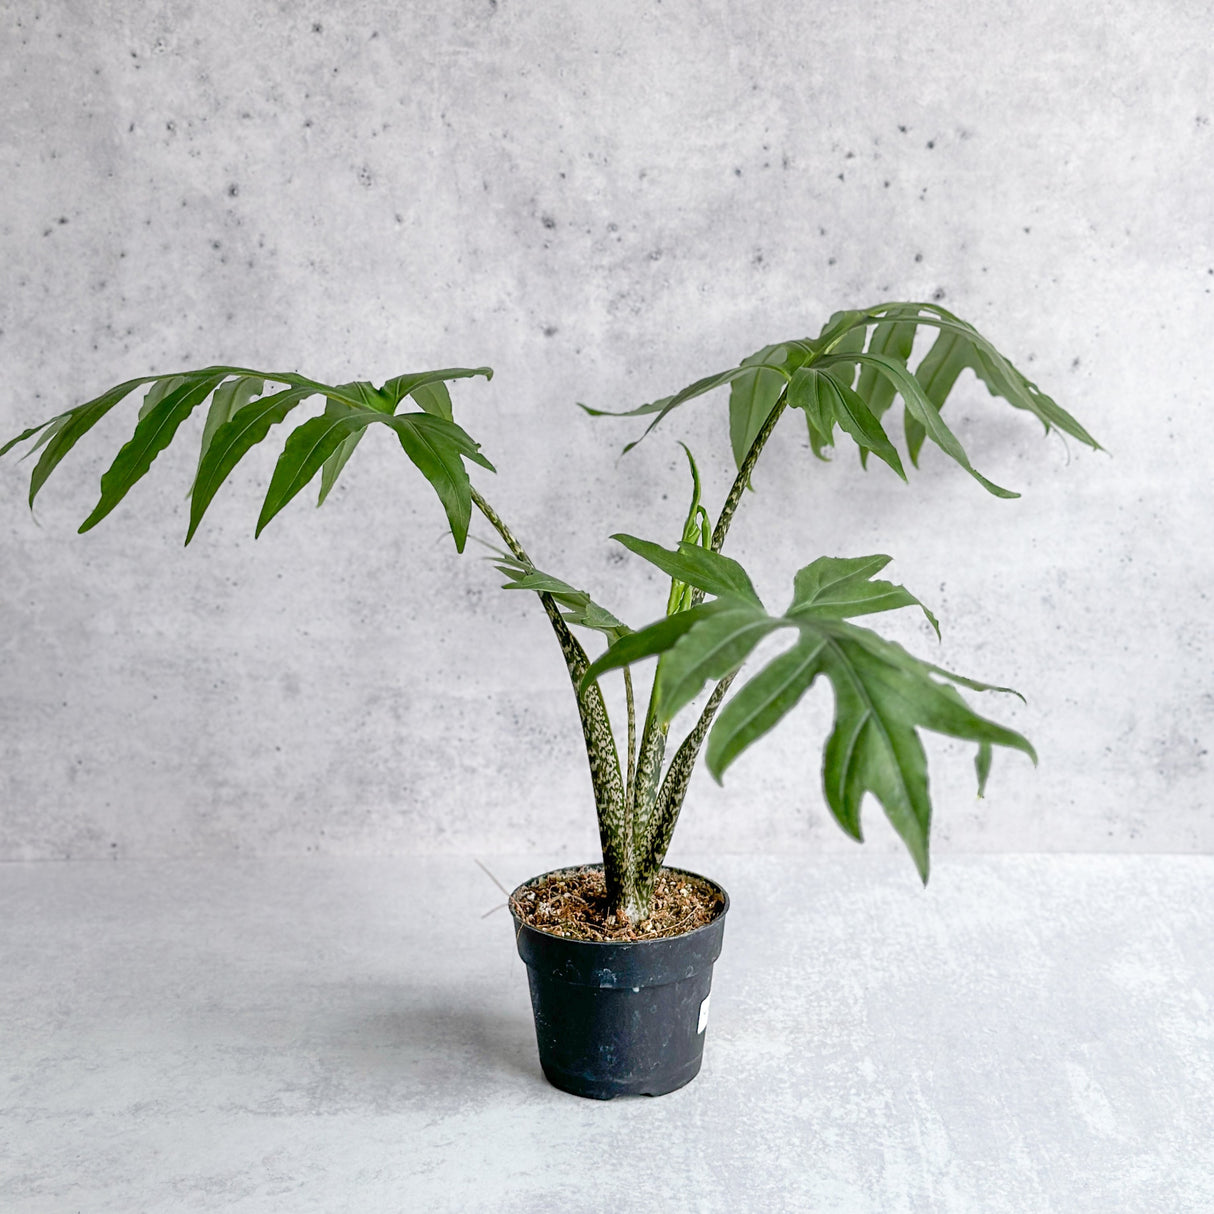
(1028, 1034)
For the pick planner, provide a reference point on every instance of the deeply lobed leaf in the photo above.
(850, 374)
(239, 417)
(883, 694)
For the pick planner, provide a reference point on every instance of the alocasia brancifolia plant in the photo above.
(845, 379)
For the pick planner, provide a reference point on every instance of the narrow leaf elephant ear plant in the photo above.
(843, 382)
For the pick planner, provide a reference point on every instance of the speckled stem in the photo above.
(618, 860)
(669, 800)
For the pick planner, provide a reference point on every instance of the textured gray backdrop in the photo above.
(603, 202)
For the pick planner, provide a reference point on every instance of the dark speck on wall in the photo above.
(548, 222)
(737, 172)
(317, 28)
(365, 178)
(931, 143)
(918, 256)
(938, 294)
(233, 190)
(550, 330)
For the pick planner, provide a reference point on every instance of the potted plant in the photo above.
(619, 954)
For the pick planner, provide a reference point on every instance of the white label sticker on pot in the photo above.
(704, 1014)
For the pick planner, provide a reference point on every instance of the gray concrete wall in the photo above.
(602, 202)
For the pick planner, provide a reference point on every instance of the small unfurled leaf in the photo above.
(699, 567)
(153, 433)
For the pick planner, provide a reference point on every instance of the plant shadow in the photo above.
(398, 1044)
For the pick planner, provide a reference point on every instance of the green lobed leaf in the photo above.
(156, 393)
(307, 447)
(927, 414)
(360, 394)
(39, 428)
(839, 588)
(850, 341)
(434, 398)
(232, 439)
(880, 703)
(400, 386)
(752, 397)
(435, 446)
(582, 609)
(331, 468)
(762, 702)
(227, 399)
(713, 647)
(826, 401)
(893, 339)
(152, 434)
(993, 368)
(656, 638)
(438, 449)
(699, 567)
(662, 407)
(79, 421)
(807, 391)
(48, 431)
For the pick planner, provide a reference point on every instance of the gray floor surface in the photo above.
(1028, 1034)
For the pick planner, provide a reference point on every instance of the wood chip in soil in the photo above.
(573, 903)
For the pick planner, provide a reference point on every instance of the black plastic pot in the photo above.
(620, 1019)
